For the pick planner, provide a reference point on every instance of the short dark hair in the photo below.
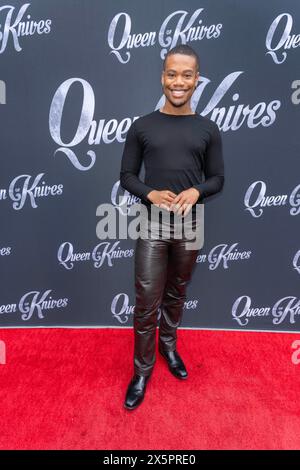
(183, 49)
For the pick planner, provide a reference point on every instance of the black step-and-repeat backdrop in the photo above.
(74, 74)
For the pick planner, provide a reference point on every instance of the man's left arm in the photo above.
(213, 167)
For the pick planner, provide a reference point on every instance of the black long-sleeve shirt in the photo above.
(177, 151)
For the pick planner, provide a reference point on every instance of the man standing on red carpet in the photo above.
(177, 147)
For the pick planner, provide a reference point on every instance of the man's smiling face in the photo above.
(179, 78)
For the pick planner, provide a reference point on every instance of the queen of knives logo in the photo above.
(280, 38)
(14, 25)
(230, 117)
(177, 27)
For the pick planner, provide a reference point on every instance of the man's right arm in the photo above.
(131, 164)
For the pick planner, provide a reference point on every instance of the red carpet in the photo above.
(64, 389)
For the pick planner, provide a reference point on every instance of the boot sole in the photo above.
(133, 407)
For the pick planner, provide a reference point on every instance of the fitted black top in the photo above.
(177, 150)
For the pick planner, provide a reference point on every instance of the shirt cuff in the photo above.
(200, 188)
(143, 195)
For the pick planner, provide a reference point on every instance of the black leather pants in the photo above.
(163, 268)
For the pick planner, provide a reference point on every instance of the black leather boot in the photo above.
(175, 363)
(136, 391)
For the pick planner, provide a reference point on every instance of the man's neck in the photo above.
(178, 111)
